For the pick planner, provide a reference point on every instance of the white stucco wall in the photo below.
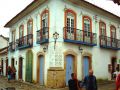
(3, 42)
(4, 58)
(101, 57)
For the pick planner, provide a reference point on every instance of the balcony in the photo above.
(110, 43)
(25, 42)
(42, 35)
(73, 35)
(12, 46)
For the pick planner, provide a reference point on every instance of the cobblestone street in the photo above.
(26, 86)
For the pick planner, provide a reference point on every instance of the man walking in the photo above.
(90, 81)
(73, 83)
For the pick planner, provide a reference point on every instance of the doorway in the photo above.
(69, 67)
(2, 66)
(114, 65)
(86, 65)
(20, 67)
(12, 62)
(40, 73)
(29, 65)
(6, 66)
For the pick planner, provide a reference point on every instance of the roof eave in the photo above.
(96, 7)
(33, 5)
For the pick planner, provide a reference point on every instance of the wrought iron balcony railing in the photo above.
(42, 35)
(12, 46)
(108, 42)
(74, 35)
(25, 42)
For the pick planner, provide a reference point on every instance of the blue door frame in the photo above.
(41, 72)
(69, 67)
(85, 66)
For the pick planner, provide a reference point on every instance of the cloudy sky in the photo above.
(9, 8)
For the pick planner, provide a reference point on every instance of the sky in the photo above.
(10, 8)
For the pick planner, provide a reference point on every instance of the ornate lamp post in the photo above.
(55, 36)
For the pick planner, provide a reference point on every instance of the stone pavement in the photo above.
(28, 86)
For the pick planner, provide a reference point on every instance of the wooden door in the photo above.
(69, 68)
(13, 62)
(41, 72)
(6, 66)
(85, 66)
(2, 66)
(114, 64)
(20, 67)
(29, 58)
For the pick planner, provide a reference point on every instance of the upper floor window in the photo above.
(102, 27)
(87, 25)
(44, 19)
(13, 36)
(21, 31)
(113, 31)
(70, 20)
(44, 33)
(70, 24)
(30, 27)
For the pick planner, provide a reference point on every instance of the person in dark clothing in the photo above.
(13, 72)
(9, 71)
(90, 81)
(73, 83)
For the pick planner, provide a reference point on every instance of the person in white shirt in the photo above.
(116, 73)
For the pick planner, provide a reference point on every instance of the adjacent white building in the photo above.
(4, 43)
(77, 26)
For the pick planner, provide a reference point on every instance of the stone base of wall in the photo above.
(56, 78)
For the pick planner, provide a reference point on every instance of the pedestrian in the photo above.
(115, 74)
(73, 83)
(9, 71)
(118, 82)
(13, 72)
(90, 81)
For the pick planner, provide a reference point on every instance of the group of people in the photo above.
(89, 82)
(11, 73)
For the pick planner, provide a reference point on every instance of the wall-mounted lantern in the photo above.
(80, 49)
(55, 36)
(45, 48)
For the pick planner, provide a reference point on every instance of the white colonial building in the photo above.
(4, 43)
(47, 37)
